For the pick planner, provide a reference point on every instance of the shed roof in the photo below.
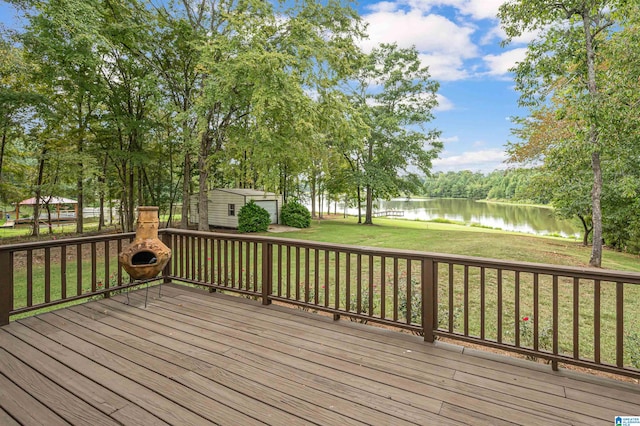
(245, 192)
(48, 199)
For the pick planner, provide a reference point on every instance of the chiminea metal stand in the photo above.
(147, 255)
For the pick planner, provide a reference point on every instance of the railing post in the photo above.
(6, 285)
(428, 296)
(267, 272)
(166, 272)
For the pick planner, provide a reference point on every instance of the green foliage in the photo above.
(513, 184)
(253, 218)
(410, 308)
(545, 335)
(569, 64)
(395, 98)
(140, 102)
(295, 214)
(364, 305)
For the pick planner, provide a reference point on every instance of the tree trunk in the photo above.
(5, 130)
(596, 191)
(102, 180)
(49, 225)
(139, 186)
(359, 205)
(203, 192)
(328, 204)
(320, 193)
(313, 194)
(184, 220)
(587, 230)
(35, 231)
(80, 181)
(346, 203)
(173, 192)
(368, 219)
(283, 184)
(131, 198)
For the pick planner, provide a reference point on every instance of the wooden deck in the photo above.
(196, 358)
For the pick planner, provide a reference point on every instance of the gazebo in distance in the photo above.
(60, 214)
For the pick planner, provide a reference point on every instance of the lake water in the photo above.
(509, 217)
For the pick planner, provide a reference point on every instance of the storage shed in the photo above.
(224, 205)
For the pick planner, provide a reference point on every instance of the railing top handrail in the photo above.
(64, 242)
(527, 267)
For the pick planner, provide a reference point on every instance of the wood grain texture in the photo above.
(194, 357)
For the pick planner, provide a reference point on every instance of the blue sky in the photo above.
(460, 42)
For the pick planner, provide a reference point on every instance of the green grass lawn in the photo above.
(462, 240)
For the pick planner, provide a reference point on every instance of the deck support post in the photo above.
(6, 286)
(267, 272)
(428, 296)
(166, 272)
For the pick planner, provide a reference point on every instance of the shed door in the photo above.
(271, 206)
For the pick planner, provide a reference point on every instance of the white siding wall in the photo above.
(219, 208)
(219, 201)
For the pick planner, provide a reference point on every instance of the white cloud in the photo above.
(428, 33)
(383, 6)
(481, 9)
(442, 43)
(444, 67)
(500, 64)
(477, 9)
(484, 160)
(444, 104)
(451, 139)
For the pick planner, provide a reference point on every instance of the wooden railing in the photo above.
(581, 316)
(42, 274)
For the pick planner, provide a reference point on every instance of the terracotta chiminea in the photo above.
(146, 256)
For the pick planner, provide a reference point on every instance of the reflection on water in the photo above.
(509, 217)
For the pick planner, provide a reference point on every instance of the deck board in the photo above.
(64, 403)
(392, 373)
(269, 372)
(539, 402)
(191, 357)
(6, 419)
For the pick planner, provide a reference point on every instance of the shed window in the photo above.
(232, 209)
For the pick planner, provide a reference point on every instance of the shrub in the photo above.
(415, 304)
(253, 218)
(295, 214)
(364, 305)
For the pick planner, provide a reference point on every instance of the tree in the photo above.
(247, 88)
(563, 60)
(548, 138)
(260, 72)
(396, 98)
(61, 38)
(17, 100)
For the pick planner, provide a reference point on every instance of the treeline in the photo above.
(513, 184)
(142, 102)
